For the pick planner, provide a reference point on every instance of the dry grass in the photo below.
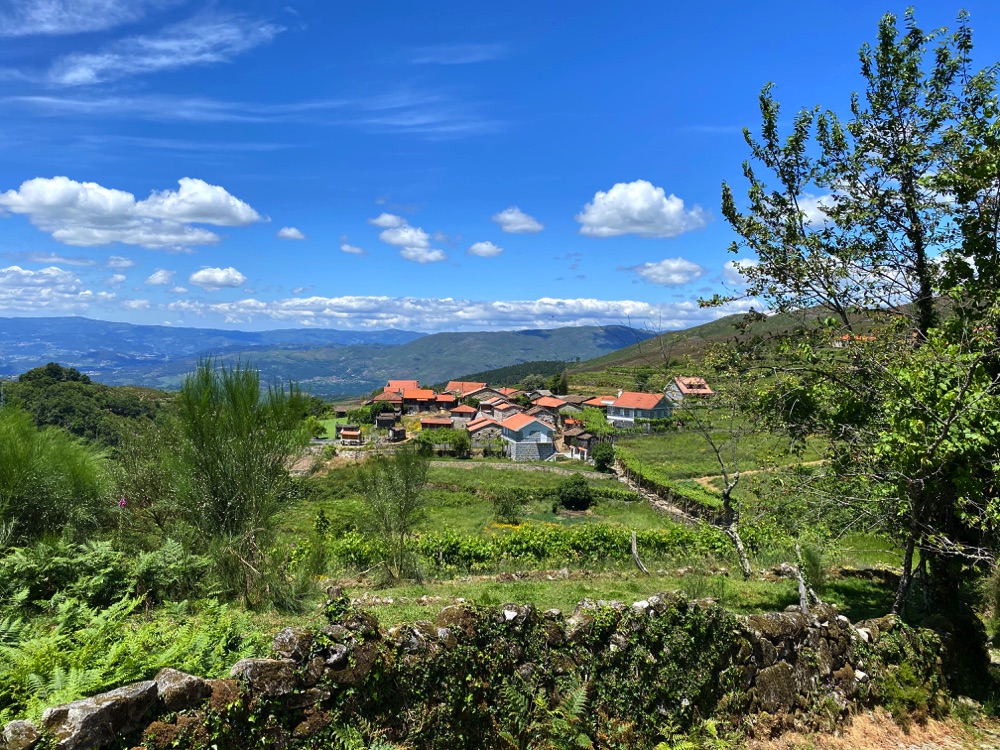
(877, 731)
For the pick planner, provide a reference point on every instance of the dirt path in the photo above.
(706, 482)
(516, 467)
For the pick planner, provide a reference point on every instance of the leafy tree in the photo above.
(604, 456)
(392, 490)
(596, 422)
(533, 382)
(575, 493)
(236, 444)
(509, 504)
(908, 220)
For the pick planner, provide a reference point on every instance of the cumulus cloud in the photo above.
(353, 249)
(484, 249)
(204, 39)
(514, 221)
(812, 208)
(431, 314)
(669, 272)
(422, 254)
(178, 290)
(87, 214)
(135, 304)
(117, 261)
(160, 277)
(406, 236)
(50, 289)
(732, 272)
(638, 208)
(290, 233)
(211, 279)
(387, 221)
(116, 280)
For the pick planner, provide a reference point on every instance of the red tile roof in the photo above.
(477, 424)
(396, 386)
(632, 400)
(690, 386)
(600, 401)
(435, 421)
(392, 398)
(508, 391)
(464, 409)
(522, 420)
(550, 402)
(462, 387)
(445, 398)
(418, 394)
(506, 407)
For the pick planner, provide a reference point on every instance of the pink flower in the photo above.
(122, 503)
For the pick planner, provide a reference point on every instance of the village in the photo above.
(521, 425)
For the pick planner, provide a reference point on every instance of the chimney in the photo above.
(619, 393)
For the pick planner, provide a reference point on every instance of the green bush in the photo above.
(575, 494)
(603, 455)
(509, 503)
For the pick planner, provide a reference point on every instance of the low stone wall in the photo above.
(612, 674)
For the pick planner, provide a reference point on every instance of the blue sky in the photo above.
(430, 166)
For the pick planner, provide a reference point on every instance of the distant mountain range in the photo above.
(328, 363)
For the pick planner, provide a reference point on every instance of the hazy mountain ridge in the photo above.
(326, 362)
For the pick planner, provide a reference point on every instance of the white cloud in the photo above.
(422, 254)
(51, 259)
(87, 214)
(811, 206)
(290, 233)
(115, 280)
(387, 221)
(406, 236)
(484, 249)
(160, 277)
(457, 54)
(178, 290)
(201, 40)
(49, 289)
(60, 17)
(117, 261)
(211, 279)
(353, 249)
(432, 314)
(669, 272)
(638, 208)
(514, 221)
(732, 274)
(135, 304)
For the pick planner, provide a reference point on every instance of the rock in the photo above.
(457, 618)
(178, 690)
(19, 735)
(518, 614)
(336, 655)
(864, 634)
(775, 688)
(268, 678)
(775, 625)
(355, 668)
(100, 720)
(293, 643)
(313, 671)
(309, 697)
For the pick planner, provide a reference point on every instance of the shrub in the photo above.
(509, 504)
(575, 493)
(603, 455)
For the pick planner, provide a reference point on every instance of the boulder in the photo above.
(775, 689)
(101, 719)
(178, 690)
(19, 735)
(268, 678)
(292, 643)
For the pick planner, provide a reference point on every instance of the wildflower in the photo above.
(122, 503)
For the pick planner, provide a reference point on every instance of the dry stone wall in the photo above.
(612, 673)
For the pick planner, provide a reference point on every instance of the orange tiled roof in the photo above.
(393, 398)
(633, 400)
(522, 420)
(506, 406)
(549, 401)
(418, 394)
(599, 401)
(477, 424)
(508, 391)
(445, 398)
(690, 386)
(395, 386)
(464, 409)
(437, 421)
(463, 387)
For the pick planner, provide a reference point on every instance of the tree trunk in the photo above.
(904, 579)
(731, 525)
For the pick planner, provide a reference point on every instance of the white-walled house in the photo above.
(630, 406)
(687, 387)
(528, 439)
